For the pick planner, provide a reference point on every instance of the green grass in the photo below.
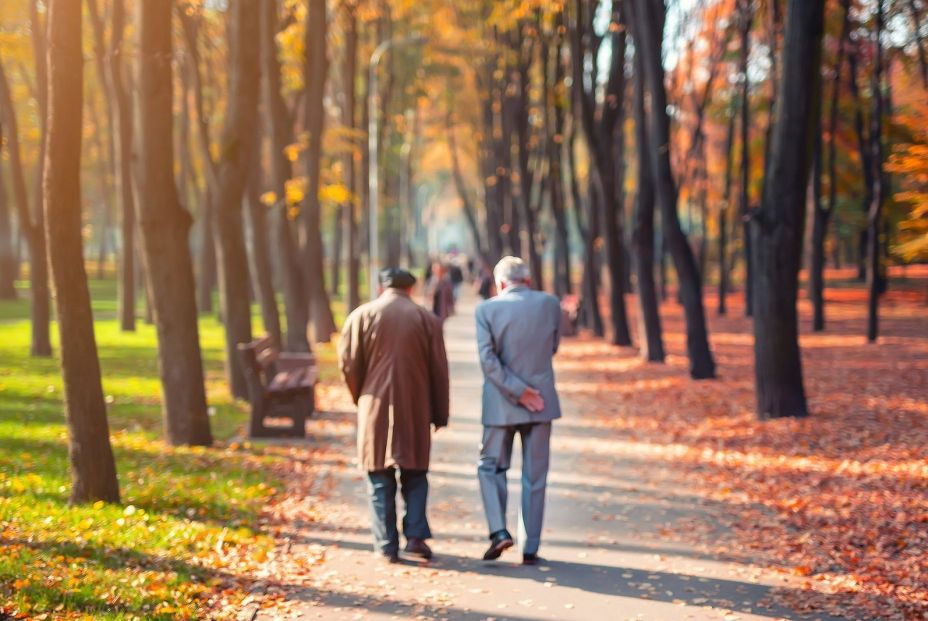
(188, 526)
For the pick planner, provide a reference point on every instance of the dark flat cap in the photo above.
(396, 278)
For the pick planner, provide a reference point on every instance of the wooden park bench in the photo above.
(570, 314)
(280, 385)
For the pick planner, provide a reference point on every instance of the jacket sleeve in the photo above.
(494, 370)
(438, 374)
(351, 355)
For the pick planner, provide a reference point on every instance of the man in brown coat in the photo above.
(393, 359)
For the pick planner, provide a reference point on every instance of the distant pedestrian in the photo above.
(517, 337)
(392, 354)
(442, 292)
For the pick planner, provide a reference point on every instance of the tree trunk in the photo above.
(165, 226)
(724, 208)
(351, 177)
(31, 223)
(650, 337)
(260, 257)
(279, 127)
(206, 283)
(470, 213)
(777, 228)
(611, 148)
(93, 468)
(823, 213)
(746, 16)
(875, 212)
(124, 181)
(649, 20)
(7, 255)
(236, 149)
(322, 322)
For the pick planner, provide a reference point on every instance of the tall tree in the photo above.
(648, 32)
(7, 251)
(350, 120)
(777, 227)
(610, 144)
(823, 211)
(321, 319)
(31, 221)
(746, 17)
(93, 468)
(236, 145)
(165, 227)
(650, 337)
(875, 211)
(280, 133)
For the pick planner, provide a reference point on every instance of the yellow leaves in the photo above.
(335, 193)
(292, 151)
(269, 199)
(295, 190)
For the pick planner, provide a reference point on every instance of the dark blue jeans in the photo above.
(381, 487)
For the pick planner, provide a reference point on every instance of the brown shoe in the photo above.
(418, 548)
(499, 542)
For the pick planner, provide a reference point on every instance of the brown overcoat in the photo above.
(392, 354)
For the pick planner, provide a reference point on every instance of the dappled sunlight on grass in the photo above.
(189, 531)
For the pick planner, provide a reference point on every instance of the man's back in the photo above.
(393, 360)
(517, 336)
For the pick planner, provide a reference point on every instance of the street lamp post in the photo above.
(373, 166)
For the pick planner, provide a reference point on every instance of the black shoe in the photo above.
(388, 558)
(418, 548)
(530, 559)
(499, 542)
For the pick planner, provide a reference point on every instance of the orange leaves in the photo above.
(839, 501)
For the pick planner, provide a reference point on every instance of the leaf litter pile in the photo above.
(837, 501)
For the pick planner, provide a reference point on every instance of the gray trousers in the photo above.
(495, 456)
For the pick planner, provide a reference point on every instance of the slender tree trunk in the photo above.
(280, 132)
(650, 337)
(93, 468)
(823, 213)
(7, 255)
(351, 177)
(724, 209)
(777, 227)
(875, 213)
(31, 222)
(164, 226)
(206, 283)
(611, 146)
(260, 257)
(236, 147)
(470, 213)
(649, 20)
(320, 311)
(746, 16)
(124, 181)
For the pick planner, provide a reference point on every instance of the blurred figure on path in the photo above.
(392, 354)
(456, 274)
(442, 291)
(517, 337)
(485, 286)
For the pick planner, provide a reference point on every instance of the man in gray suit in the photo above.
(517, 336)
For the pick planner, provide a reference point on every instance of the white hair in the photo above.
(511, 271)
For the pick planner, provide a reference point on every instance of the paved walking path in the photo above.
(608, 556)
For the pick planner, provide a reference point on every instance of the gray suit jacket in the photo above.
(517, 337)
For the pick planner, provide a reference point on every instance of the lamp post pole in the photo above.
(373, 166)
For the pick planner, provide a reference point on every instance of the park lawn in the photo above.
(188, 530)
